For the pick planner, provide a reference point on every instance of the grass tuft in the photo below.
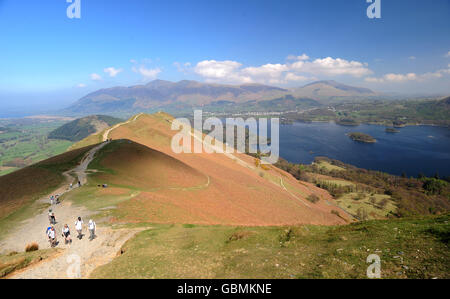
(32, 247)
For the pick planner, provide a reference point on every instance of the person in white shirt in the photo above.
(66, 234)
(92, 227)
(52, 236)
(51, 217)
(79, 227)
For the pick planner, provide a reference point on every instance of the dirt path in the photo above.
(106, 134)
(87, 254)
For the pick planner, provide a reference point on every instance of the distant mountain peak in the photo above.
(337, 88)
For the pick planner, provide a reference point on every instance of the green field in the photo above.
(328, 166)
(27, 143)
(366, 206)
(408, 248)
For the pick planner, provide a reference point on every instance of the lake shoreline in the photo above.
(412, 150)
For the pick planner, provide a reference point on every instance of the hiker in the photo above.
(51, 217)
(66, 234)
(91, 227)
(79, 227)
(79, 183)
(71, 185)
(52, 237)
(57, 199)
(51, 200)
(47, 232)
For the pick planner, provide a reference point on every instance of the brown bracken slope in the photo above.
(203, 188)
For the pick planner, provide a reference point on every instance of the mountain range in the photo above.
(160, 94)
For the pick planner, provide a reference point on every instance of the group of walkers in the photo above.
(51, 232)
(54, 199)
(78, 184)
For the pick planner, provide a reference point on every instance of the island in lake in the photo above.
(361, 137)
(347, 122)
(391, 130)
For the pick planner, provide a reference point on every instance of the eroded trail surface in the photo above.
(83, 254)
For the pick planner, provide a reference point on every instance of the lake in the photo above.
(413, 150)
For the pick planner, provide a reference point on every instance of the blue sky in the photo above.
(48, 59)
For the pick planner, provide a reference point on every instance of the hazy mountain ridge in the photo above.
(326, 91)
(159, 94)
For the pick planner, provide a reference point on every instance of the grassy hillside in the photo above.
(22, 187)
(81, 128)
(408, 248)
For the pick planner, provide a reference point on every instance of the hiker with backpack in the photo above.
(92, 228)
(52, 237)
(66, 234)
(79, 228)
(47, 232)
(51, 217)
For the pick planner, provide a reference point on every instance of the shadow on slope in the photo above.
(128, 164)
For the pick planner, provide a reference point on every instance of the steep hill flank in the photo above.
(83, 127)
(236, 192)
(27, 184)
(129, 164)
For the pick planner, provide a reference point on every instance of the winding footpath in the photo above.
(78, 259)
(106, 133)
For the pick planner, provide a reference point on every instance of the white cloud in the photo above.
(393, 78)
(301, 57)
(300, 68)
(96, 77)
(291, 77)
(81, 85)
(147, 73)
(401, 78)
(272, 71)
(332, 67)
(217, 69)
(412, 57)
(448, 54)
(182, 67)
(112, 72)
(223, 71)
